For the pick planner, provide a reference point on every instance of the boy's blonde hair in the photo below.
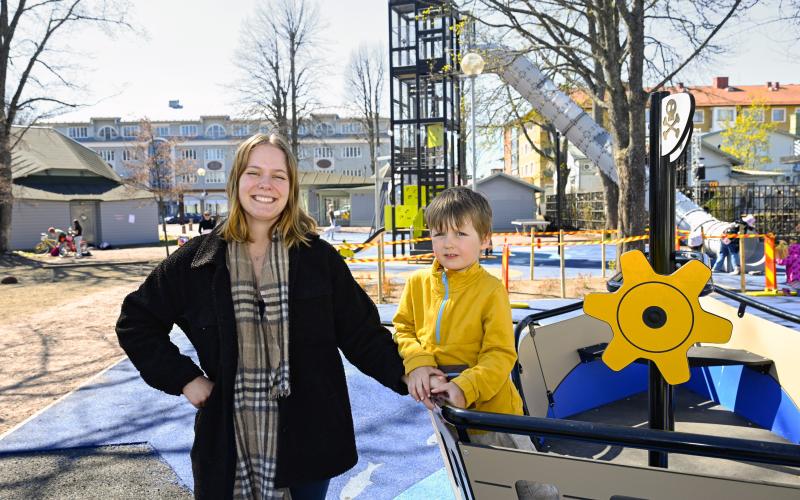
(453, 206)
(293, 224)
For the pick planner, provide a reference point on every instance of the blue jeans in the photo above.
(310, 491)
(727, 257)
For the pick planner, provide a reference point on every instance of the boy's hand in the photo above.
(419, 385)
(437, 381)
(453, 394)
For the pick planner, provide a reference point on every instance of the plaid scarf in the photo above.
(262, 376)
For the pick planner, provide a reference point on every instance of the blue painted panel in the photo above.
(754, 396)
(590, 385)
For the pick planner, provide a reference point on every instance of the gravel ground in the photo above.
(132, 471)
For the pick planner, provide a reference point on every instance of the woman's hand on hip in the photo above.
(198, 390)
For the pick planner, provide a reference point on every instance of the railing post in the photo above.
(506, 255)
(381, 271)
(562, 248)
(742, 261)
(532, 249)
(770, 278)
(603, 253)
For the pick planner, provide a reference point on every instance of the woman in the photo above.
(77, 237)
(267, 304)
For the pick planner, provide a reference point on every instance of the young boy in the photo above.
(454, 319)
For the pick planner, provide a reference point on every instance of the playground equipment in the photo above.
(595, 142)
(591, 368)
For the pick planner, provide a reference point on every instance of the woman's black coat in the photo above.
(328, 311)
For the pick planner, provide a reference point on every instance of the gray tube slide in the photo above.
(595, 142)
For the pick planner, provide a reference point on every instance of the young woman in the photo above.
(267, 305)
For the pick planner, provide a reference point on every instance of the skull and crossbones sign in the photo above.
(670, 122)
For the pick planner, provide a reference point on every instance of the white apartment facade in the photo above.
(327, 143)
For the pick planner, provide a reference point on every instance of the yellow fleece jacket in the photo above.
(461, 318)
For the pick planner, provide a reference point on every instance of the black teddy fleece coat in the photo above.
(328, 311)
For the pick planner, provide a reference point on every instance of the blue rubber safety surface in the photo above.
(394, 433)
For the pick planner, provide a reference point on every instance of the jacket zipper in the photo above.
(441, 308)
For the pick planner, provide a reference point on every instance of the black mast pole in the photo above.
(662, 228)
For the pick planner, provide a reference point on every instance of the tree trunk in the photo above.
(162, 211)
(293, 90)
(6, 196)
(610, 188)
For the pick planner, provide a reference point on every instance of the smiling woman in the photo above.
(258, 292)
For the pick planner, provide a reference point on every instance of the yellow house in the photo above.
(522, 160)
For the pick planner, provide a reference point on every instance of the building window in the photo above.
(215, 131)
(302, 153)
(187, 179)
(329, 129)
(756, 114)
(215, 154)
(130, 154)
(188, 130)
(724, 116)
(130, 131)
(161, 131)
(78, 132)
(188, 154)
(106, 154)
(779, 114)
(107, 133)
(215, 176)
(699, 116)
(351, 152)
(323, 152)
(355, 172)
(301, 129)
(241, 130)
(351, 128)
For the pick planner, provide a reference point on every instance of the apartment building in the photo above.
(328, 143)
(718, 104)
(716, 107)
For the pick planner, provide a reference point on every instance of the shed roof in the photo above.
(503, 175)
(42, 149)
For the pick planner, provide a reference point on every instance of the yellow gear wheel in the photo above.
(657, 317)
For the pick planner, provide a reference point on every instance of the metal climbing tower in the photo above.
(427, 147)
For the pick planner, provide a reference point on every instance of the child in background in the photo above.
(454, 319)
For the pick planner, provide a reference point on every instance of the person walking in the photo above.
(77, 237)
(331, 231)
(207, 224)
(267, 305)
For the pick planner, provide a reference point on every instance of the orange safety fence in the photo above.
(392, 259)
(354, 246)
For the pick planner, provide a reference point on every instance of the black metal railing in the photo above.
(775, 207)
(632, 437)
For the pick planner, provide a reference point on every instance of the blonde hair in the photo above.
(294, 224)
(453, 206)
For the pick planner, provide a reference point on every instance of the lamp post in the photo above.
(201, 172)
(472, 65)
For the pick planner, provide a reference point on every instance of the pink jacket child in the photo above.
(792, 263)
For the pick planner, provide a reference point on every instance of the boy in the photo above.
(454, 319)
